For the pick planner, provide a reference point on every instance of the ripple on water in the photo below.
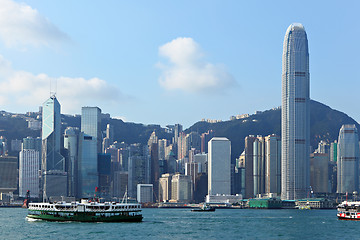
(182, 224)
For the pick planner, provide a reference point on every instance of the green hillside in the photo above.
(325, 125)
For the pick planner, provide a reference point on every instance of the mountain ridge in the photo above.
(325, 124)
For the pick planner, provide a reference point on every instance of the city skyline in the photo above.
(130, 53)
(219, 154)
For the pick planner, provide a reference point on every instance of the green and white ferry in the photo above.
(86, 211)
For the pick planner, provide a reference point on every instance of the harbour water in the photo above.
(184, 224)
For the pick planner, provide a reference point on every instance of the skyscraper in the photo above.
(319, 172)
(29, 172)
(29, 166)
(177, 131)
(205, 138)
(91, 124)
(110, 133)
(295, 114)
(139, 167)
(90, 142)
(259, 165)
(165, 187)
(192, 140)
(348, 159)
(273, 164)
(219, 166)
(32, 143)
(87, 177)
(249, 166)
(181, 188)
(162, 144)
(71, 144)
(53, 163)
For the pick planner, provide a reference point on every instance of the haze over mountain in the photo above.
(325, 125)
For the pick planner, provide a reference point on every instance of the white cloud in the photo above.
(187, 69)
(21, 25)
(24, 90)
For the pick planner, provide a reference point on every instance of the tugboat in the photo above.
(86, 211)
(204, 208)
(349, 210)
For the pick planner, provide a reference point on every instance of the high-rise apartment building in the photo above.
(105, 144)
(154, 160)
(239, 175)
(333, 167)
(219, 166)
(162, 144)
(181, 146)
(348, 159)
(333, 151)
(261, 161)
(192, 141)
(177, 131)
(295, 114)
(249, 166)
(259, 165)
(205, 138)
(53, 163)
(323, 147)
(273, 164)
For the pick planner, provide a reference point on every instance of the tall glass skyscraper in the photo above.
(91, 124)
(87, 176)
(348, 159)
(53, 163)
(90, 141)
(295, 114)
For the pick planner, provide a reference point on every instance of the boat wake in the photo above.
(32, 219)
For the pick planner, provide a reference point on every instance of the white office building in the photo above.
(29, 166)
(181, 188)
(219, 166)
(145, 193)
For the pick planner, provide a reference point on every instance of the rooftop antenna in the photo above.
(53, 93)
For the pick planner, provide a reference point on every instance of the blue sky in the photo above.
(166, 62)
